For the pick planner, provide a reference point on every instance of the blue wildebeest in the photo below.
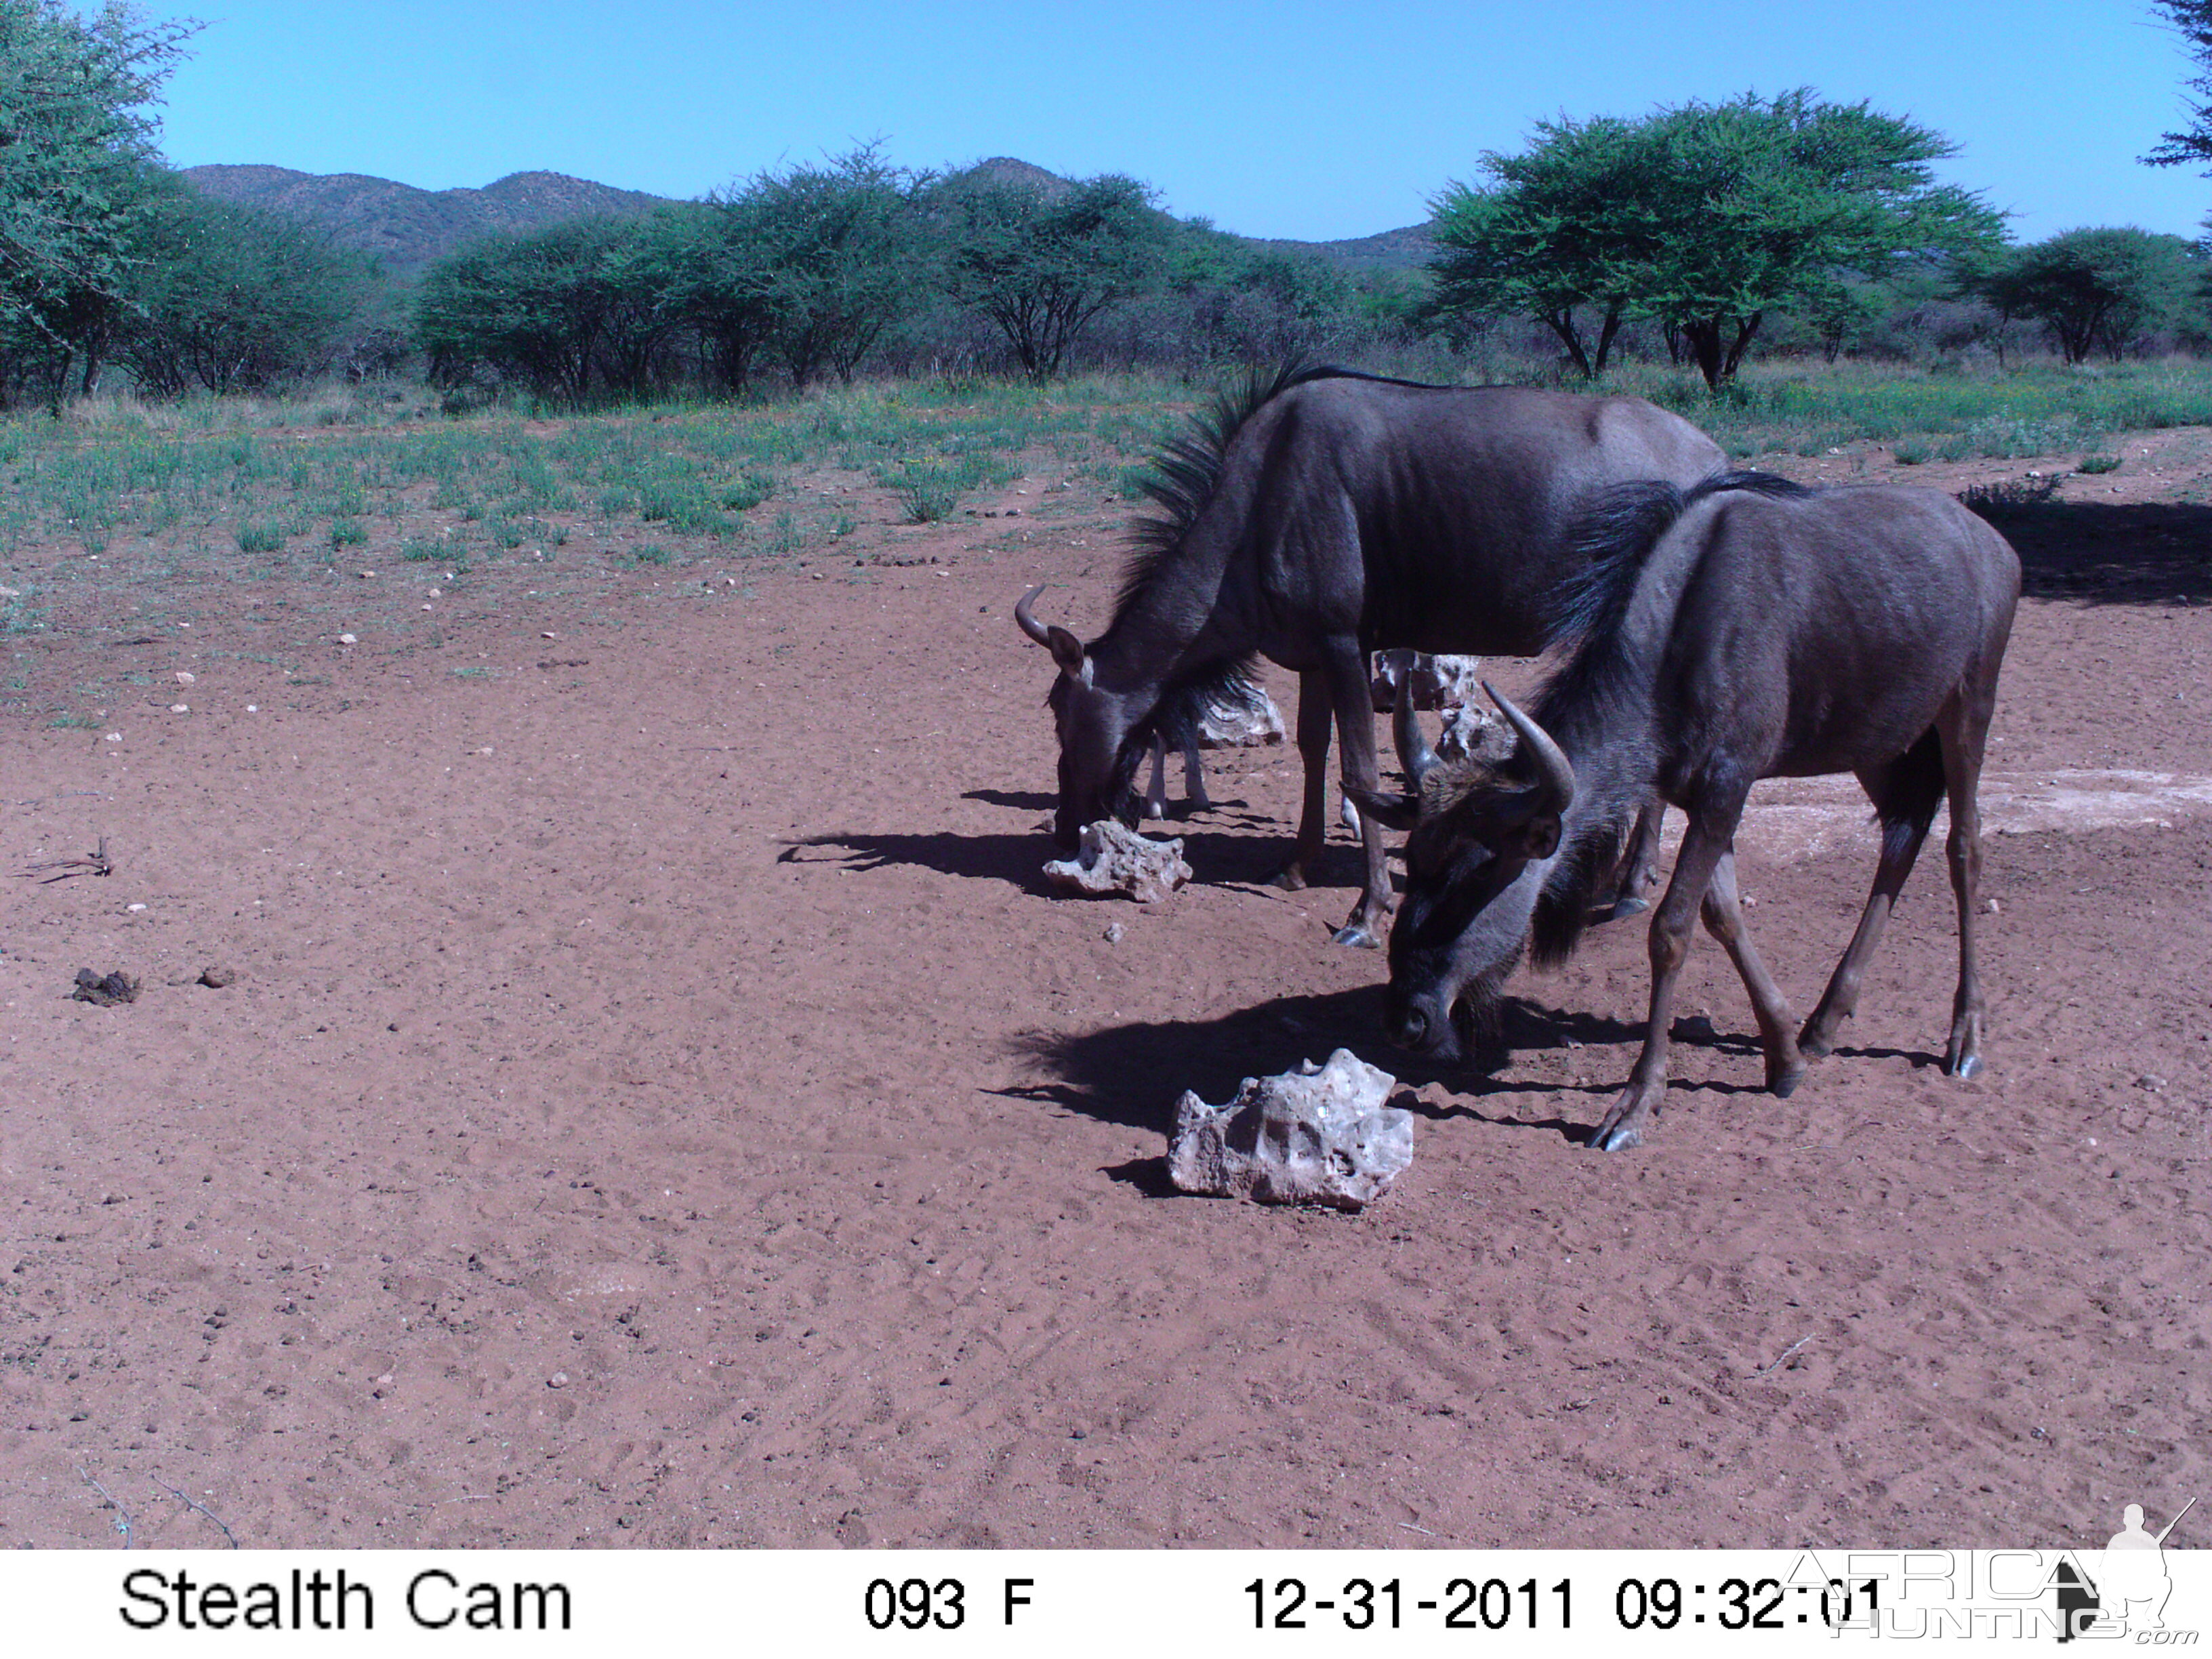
(1321, 515)
(1748, 627)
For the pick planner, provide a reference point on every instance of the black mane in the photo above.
(1615, 536)
(1179, 482)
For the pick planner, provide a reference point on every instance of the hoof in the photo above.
(1290, 879)
(1622, 909)
(1783, 1084)
(1617, 1140)
(1155, 812)
(1358, 935)
(1813, 1048)
(1963, 1066)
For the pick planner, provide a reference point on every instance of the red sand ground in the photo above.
(660, 1104)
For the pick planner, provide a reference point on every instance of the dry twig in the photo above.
(194, 1503)
(123, 1521)
(1787, 1353)
(92, 863)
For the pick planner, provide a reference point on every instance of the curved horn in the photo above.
(1413, 752)
(1026, 618)
(1555, 772)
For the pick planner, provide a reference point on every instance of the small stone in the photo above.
(366, 576)
(2152, 1083)
(253, 709)
(1110, 859)
(134, 907)
(1320, 1134)
(115, 737)
(558, 1380)
(1995, 909)
(180, 708)
(217, 977)
(1113, 934)
(549, 636)
(347, 639)
(183, 676)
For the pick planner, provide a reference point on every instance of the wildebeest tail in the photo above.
(1909, 794)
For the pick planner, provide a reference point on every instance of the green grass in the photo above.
(208, 472)
(2094, 465)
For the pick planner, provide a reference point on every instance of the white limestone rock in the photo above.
(1110, 859)
(1250, 723)
(1473, 733)
(1434, 682)
(1318, 1135)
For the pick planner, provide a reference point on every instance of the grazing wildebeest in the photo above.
(1747, 629)
(1322, 514)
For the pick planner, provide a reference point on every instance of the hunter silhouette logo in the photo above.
(2131, 1585)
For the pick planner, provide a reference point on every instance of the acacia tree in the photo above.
(839, 254)
(2095, 290)
(1544, 239)
(77, 141)
(1704, 217)
(1041, 263)
(2192, 145)
(544, 308)
(230, 299)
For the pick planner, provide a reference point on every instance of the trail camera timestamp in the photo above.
(1386, 1604)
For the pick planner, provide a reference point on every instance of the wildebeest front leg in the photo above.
(1723, 914)
(1355, 732)
(1315, 717)
(1702, 848)
(1194, 780)
(1155, 798)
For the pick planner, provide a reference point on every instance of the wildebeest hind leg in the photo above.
(1315, 717)
(1355, 734)
(1904, 790)
(1785, 1068)
(1963, 736)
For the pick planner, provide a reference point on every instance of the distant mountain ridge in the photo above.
(407, 226)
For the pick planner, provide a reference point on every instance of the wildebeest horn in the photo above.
(1553, 767)
(1067, 650)
(1027, 618)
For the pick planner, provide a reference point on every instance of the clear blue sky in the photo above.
(1315, 121)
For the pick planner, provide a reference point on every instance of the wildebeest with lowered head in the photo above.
(1749, 628)
(1321, 515)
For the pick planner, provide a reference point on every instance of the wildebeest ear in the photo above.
(1534, 838)
(1067, 652)
(1392, 811)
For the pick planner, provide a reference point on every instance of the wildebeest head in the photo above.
(1480, 840)
(1098, 751)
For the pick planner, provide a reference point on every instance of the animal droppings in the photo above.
(103, 990)
(216, 977)
(1110, 859)
(1320, 1134)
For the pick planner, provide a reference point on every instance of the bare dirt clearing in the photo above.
(660, 1102)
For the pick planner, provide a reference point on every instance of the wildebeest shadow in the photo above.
(1133, 1074)
(1226, 854)
(1021, 801)
(2150, 553)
